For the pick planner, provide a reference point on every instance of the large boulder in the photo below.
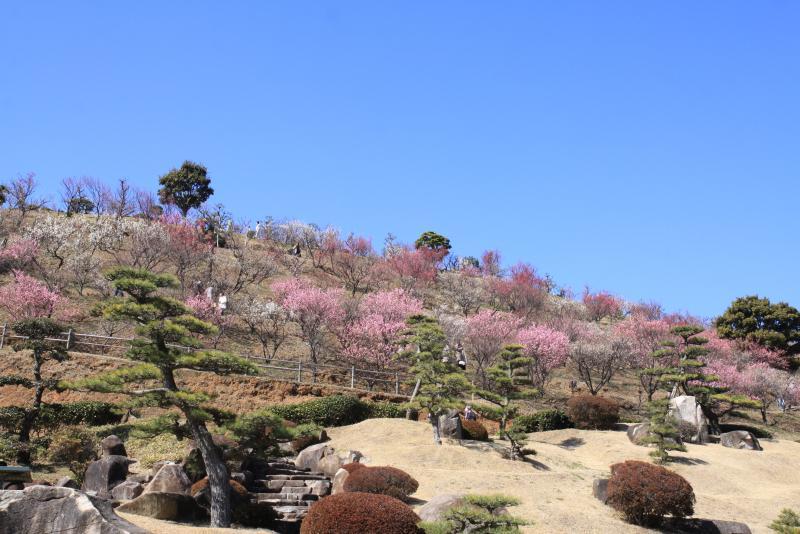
(688, 413)
(67, 482)
(740, 439)
(321, 458)
(169, 479)
(128, 490)
(638, 432)
(450, 425)
(158, 505)
(105, 474)
(52, 509)
(338, 481)
(703, 526)
(435, 508)
(113, 446)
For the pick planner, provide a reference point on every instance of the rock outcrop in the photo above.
(688, 413)
(57, 509)
(740, 439)
(169, 479)
(105, 474)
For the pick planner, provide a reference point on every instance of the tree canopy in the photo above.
(433, 241)
(186, 188)
(776, 326)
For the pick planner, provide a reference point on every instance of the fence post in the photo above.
(299, 372)
(396, 384)
(3, 336)
(352, 377)
(69, 339)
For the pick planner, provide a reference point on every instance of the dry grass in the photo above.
(556, 489)
(168, 527)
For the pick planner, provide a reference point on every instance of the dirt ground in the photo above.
(157, 526)
(556, 489)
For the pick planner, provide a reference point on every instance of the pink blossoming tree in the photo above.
(27, 298)
(486, 334)
(547, 349)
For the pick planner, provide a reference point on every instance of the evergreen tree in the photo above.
(713, 398)
(441, 382)
(663, 433)
(186, 188)
(505, 384)
(166, 326)
(39, 333)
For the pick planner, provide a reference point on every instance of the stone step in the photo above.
(294, 497)
(277, 484)
(284, 502)
(286, 465)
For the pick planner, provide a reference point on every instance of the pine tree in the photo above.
(663, 431)
(39, 334)
(441, 382)
(165, 327)
(505, 384)
(688, 376)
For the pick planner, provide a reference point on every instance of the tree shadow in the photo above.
(539, 466)
(687, 461)
(701, 526)
(572, 443)
(502, 450)
(413, 501)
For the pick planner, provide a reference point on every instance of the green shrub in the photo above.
(359, 513)
(383, 480)
(645, 493)
(542, 421)
(474, 430)
(54, 416)
(478, 513)
(74, 447)
(336, 410)
(593, 412)
(787, 523)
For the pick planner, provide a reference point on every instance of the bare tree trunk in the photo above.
(437, 436)
(217, 475)
(24, 452)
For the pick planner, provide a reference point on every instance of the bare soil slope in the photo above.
(556, 489)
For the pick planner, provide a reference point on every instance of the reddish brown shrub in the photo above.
(357, 513)
(593, 412)
(384, 480)
(236, 488)
(474, 430)
(352, 466)
(645, 493)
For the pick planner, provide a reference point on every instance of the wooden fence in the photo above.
(339, 376)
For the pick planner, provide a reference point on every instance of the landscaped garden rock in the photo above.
(105, 474)
(435, 508)
(169, 479)
(685, 409)
(58, 509)
(338, 481)
(638, 432)
(740, 439)
(67, 482)
(310, 457)
(600, 489)
(128, 490)
(159, 505)
(113, 446)
(450, 425)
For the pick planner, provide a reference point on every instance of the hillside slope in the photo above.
(556, 490)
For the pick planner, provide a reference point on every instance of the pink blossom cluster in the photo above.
(547, 348)
(19, 253)
(601, 304)
(643, 336)
(523, 291)
(486, 334)
(26, 298)
(308, 303)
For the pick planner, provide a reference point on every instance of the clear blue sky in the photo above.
(648, 148)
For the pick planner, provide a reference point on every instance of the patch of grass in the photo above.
(150, 450)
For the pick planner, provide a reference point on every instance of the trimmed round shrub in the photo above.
(593, 412)
(474, 430)
(352, 466)
(542, 421)
(357, 513)
(383, 480)
(646, 493)
(236, 488)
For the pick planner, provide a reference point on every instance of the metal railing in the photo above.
(299, 372)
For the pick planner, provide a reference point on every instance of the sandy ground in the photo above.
(156, 526)
(556, 490)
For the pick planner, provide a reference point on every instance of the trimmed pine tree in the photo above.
(165, 329)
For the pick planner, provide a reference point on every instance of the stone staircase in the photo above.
(289, 489)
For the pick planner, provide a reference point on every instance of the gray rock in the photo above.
(158, 505)
(128, 490)
(740, 439)
(685, 409)
(450, 425)
(637, 433)
(338, 481)
(600, 489)
(57, 509)
(435, 508)
(113, 446)
(141, 478)
(320, 487)
(170, 479)
(703, 526)
(105, 474)
(310, 457)
(67, 482)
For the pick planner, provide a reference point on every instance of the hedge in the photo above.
(54, 416)
(336, 410)
(542, 421)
